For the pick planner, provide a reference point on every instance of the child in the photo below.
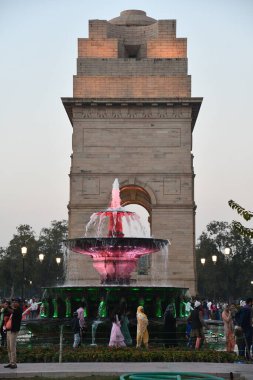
(116, 338)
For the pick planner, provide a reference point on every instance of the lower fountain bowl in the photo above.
(116, 258)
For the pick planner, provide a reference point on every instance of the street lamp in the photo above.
(251, 282)
(227, 252)
(214, 259)
(41, 257)
(203, 261)
(23, 252)
(58, 260)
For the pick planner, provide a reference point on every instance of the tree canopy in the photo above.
(230, 278)
(36, 274)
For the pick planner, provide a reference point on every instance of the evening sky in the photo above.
(38, 44)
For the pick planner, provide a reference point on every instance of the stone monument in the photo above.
(133, 116)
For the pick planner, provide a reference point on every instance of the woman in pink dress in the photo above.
(116, 338)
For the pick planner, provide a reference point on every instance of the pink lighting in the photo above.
(114, 255)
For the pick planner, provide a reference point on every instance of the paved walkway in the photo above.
(88, 369)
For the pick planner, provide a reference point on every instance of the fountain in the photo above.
(115, 239)
(114, 253)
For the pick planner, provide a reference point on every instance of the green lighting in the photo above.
(55, 305)
(68, 308)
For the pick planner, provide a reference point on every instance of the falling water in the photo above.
(115, 239)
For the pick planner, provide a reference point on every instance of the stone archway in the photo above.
(134, 194)
(137, 195)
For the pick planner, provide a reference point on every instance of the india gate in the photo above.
(133, 116)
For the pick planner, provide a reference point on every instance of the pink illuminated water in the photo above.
(115, 239)
(116, 201)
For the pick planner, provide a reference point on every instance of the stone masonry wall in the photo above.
(132, 116)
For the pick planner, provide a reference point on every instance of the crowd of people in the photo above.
(237, 320)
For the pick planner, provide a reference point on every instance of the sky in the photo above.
(38, 45)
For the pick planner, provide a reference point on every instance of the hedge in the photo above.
(108, 354)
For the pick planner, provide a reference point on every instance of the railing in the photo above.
(46, 332)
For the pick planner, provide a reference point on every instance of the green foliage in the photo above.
(228, 279)
(108, 354)
(36, 274)
(247, 215)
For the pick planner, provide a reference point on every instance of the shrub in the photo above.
(39, 354)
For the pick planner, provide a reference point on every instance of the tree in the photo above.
(51, 243)
(247, 215)
(36, 274)
(11, 263)
(230, 277)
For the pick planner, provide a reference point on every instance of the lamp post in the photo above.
(227, 251)
(203, 261)
(58, 260)
(214, 259)
(41, 257)
(23, 252)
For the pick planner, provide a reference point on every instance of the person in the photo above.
(4, 316)
(188, 308)
(205, 311)
(26, 311)
(188, 333)
(80, 313)
(16, 316)
(244, 322)
(228, 328)
(124, 322)
(116, 337)
(82, 320)
(197, 322)
(142, 328)
(33, 308)
(213, 311)
(76, 330)
(170, 327)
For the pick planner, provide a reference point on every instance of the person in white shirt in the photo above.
(33, 308)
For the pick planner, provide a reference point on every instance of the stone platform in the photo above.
(84, 370)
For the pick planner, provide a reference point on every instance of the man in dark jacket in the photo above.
(244, 320)
(197, 324)
(16, 316)
(76, 330)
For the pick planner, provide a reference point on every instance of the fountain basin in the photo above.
(116, 258)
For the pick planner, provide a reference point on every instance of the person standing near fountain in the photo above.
(170, 327)
(142, 328)
(12, 333)
(228, 328)
(197, 332)
(124, 322)
(116, 338)
(76, 330)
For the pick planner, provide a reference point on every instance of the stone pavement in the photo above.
(244, 371)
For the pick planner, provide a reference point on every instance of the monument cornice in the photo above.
(81, 173)
(194, 103)
(156, 207)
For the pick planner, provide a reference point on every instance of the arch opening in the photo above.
(137, 199)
